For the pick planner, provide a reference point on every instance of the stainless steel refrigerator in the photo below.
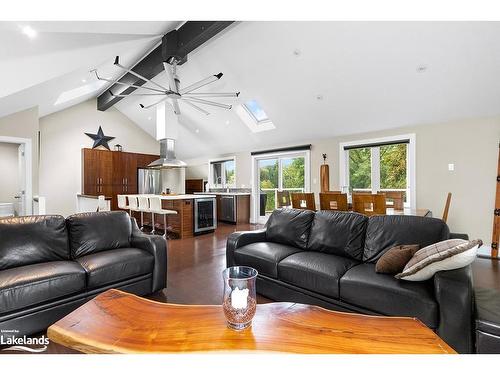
(148, 181)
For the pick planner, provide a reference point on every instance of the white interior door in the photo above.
(20, 197)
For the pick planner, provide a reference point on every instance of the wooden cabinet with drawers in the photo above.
(111, 173)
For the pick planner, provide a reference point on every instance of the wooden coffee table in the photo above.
(118, 322)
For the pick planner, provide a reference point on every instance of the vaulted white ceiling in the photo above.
(35, 71)
(369, 76)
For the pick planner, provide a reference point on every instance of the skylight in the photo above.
(254, 108)
(69, 95)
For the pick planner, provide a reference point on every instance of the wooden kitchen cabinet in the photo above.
(111, 173)
(97, 172)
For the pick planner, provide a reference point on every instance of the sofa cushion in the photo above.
(111, 266)
(339, 233)
(263, 256)
(317, 272)
(27, 286)
(290, 227)
(386, 231)
(32, 239)
(383, 294)
(92, 232)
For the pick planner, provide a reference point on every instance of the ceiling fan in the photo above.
(174, 92)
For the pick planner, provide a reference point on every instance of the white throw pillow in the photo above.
(442, 256)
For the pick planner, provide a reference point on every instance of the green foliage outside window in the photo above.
(393, 166)
(360, 168)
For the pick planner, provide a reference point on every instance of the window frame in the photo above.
(255, 217)
(375, 163)
(223, 184)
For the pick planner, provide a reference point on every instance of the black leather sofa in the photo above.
(49, 266)
(327, 258)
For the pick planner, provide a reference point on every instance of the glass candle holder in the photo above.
(239, 301)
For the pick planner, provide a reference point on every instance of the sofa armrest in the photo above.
(455, 295)
(239, 239)
(462, 236)
(157, 246)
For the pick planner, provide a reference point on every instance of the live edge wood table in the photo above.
(118, 322)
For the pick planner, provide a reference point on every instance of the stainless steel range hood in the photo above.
(167, 158)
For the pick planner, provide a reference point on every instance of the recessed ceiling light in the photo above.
(197, 130)
(227, 122)
(150, 118)
(29, 32)
(84, 80)
(421, 68)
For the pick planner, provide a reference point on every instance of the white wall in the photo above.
(9, 172)
(472, 145)
(62, 138)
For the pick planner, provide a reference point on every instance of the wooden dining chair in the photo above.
(304, 201)
(447, 207)
(283, 199)
(395, 198)
(333, 201)
(369, 204)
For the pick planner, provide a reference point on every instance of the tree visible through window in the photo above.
(360, 168)
(393, 166)
(389, 163)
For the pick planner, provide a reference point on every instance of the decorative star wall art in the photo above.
(100, 139)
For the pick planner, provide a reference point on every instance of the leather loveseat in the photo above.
(327, 258)
(49, 266)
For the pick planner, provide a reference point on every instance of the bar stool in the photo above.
(143, 207)
(155, 208)
(133, 204)
(122, 203)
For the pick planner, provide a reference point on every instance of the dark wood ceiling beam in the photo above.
(177, 43)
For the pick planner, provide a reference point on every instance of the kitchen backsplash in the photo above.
(231, 190)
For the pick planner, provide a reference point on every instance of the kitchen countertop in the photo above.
(183, 196)
(221, 193)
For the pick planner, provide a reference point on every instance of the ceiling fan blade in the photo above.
(126, 96)
(117, 63)
(215, 94)
(124, 84)
(207, 102)
(196, 107)
(152, 105)
(201, 83)
(170, 76)
(175, 104)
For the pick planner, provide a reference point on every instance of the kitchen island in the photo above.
(183, 223)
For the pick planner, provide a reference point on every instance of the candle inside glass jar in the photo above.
(239, 298)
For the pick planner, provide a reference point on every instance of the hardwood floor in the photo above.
(195, 268)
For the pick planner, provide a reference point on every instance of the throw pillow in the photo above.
(441, 256)
(395, 259)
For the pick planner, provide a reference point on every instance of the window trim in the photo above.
(411, 161)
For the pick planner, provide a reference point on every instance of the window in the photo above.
(385, 164)
(222, 173)
(278, 172)
(254, 116)
(254, 108)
